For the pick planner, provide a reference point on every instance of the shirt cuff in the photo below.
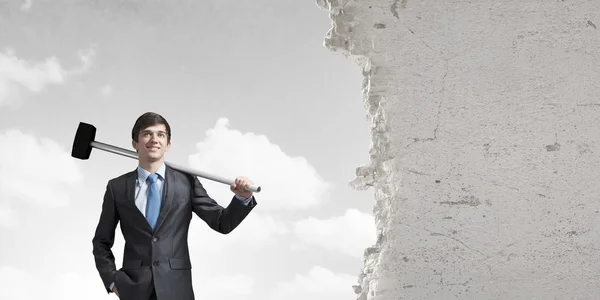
(245, 201)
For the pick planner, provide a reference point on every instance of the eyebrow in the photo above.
(160, 131)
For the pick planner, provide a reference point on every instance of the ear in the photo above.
(134, 145)
(168, 146)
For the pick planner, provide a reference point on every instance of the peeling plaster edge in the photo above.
(378, 172)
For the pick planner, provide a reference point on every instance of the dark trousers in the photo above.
(153, 295)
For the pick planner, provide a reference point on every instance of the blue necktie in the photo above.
(153, 205)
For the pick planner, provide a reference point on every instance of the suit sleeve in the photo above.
(220, 219)
(104, 238)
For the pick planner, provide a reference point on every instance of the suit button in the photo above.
(155, 263)
(154, 240)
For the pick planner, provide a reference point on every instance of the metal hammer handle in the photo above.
(134, 155)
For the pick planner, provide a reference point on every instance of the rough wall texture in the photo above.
(484, 157)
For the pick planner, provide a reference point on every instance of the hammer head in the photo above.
(86, 133)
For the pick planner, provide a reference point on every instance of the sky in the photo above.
(248, 89)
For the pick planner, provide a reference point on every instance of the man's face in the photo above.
(152, 143)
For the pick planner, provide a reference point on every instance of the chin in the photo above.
(150, 157)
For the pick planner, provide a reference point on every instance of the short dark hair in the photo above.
(149, 119)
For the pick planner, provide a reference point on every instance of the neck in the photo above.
(151, 166)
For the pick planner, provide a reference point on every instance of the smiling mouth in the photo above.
(153, 148)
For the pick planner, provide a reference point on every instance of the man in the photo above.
(154, 204)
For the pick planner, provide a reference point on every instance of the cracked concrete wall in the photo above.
(484, 145)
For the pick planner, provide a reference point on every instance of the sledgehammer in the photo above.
(84, 143)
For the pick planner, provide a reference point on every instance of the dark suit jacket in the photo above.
(161, 256)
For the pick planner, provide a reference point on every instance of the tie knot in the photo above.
(153, 177)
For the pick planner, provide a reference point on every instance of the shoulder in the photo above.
(182, 179)
(178, 175)
(123, 177)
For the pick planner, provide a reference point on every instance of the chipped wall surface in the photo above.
(484, 157)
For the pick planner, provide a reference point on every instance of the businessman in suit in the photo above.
(154, 204)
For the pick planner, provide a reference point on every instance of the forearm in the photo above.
(245, 201)
(235, 213)
(105, 264)
(220, 219)
(104, 239)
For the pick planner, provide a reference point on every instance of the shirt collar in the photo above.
(143, 174)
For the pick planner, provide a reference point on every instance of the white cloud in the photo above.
(256, 231)
(87, 58)
(221, 287)
(349, 234)
(287, 182)
(8, 217)
(26, 6)
(106, 90)
(14, 284)
(318, 284)
(74, 286)
(35, 170)
(17, 284)
(17, 73)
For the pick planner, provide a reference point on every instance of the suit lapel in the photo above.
(167, 199)
(131, 180)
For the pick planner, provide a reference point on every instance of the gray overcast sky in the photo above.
(248, 89)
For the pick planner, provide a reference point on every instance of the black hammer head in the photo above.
(86, 133)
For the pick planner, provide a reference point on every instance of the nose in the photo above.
(153, 138)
